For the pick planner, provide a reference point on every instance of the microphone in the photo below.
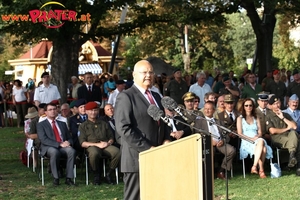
(157, 114)
(170, 104)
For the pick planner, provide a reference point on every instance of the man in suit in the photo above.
(205, 124)
(261, 112)
(109, 119)
(177, 130)
(56, 142)
(293, 111)
(228, 118)
(138, 131)
(89, 91)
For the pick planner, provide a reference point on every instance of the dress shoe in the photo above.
(69, 182)
(108, 179)
(221, 175)
(293, 160)
(56, 182)
(97, 180)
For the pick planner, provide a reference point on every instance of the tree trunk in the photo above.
(263, 29)
(64, 64)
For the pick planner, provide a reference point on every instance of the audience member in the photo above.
(261, 112)
(200, 88)
(176, 88)
(294, 86)
(97, 138)
(20, 101)
(89, 91)
(46, 92)
(56, 142)
(74, 87)
(251, 89)
(205, 124)
(277, 87)
(293, 111)
(282, 129)
(248, 125)
(266, 80)
(120, 86)
(228, 117)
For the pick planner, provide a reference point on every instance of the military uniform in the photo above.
(279, 89)
(288, 139)
(176, 90)
(96, 132)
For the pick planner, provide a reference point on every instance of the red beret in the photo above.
(276, 71)
(56, 102)
(91, 105)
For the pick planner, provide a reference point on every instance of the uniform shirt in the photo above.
(95, 132)
(46, 94)
(279, 89)
(273, 121)
(295, 114)
(112, 97)
(176, 90)
(200, 91)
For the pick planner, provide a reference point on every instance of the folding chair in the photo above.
(42, 168)
(104, 169)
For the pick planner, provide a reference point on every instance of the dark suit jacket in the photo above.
(94, 96)
(74, 123)
(202, 124)
(180, 127)
(137, 129)
(47, 137)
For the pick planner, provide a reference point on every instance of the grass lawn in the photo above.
(19, 182)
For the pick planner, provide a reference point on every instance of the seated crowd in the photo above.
(252, 112)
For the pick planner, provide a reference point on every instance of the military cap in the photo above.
(273, 99)
(276, 71)
(263, 95)
(188, 96)
(91, 105)
(72, 104)
(226, 78)
(56, 102)
(176, 70)
(80, 102)
(119, 82)
(294, 97)
(228, 98)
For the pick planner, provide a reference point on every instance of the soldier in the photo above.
(228, 118)
(189, 112)
(282, 129)
(261, 112)
(97, 138)
(177, 87)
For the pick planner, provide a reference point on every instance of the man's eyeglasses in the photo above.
(145, 73)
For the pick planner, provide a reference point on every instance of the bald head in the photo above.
(143, 74)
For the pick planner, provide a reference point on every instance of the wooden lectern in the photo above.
(174, 171)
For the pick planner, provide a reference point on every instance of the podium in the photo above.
(175, 170)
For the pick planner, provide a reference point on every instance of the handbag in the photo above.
(275, 170)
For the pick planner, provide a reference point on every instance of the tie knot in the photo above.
(53, 121)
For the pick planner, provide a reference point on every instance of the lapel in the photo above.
(137, 92)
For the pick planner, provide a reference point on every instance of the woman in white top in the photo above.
(20, 101)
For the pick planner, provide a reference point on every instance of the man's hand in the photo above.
(102, 145)
(64, 144)
(177, 134)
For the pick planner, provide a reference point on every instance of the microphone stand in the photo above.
(225, 131)
(206, 133)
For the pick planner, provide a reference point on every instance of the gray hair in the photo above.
(200, 74)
